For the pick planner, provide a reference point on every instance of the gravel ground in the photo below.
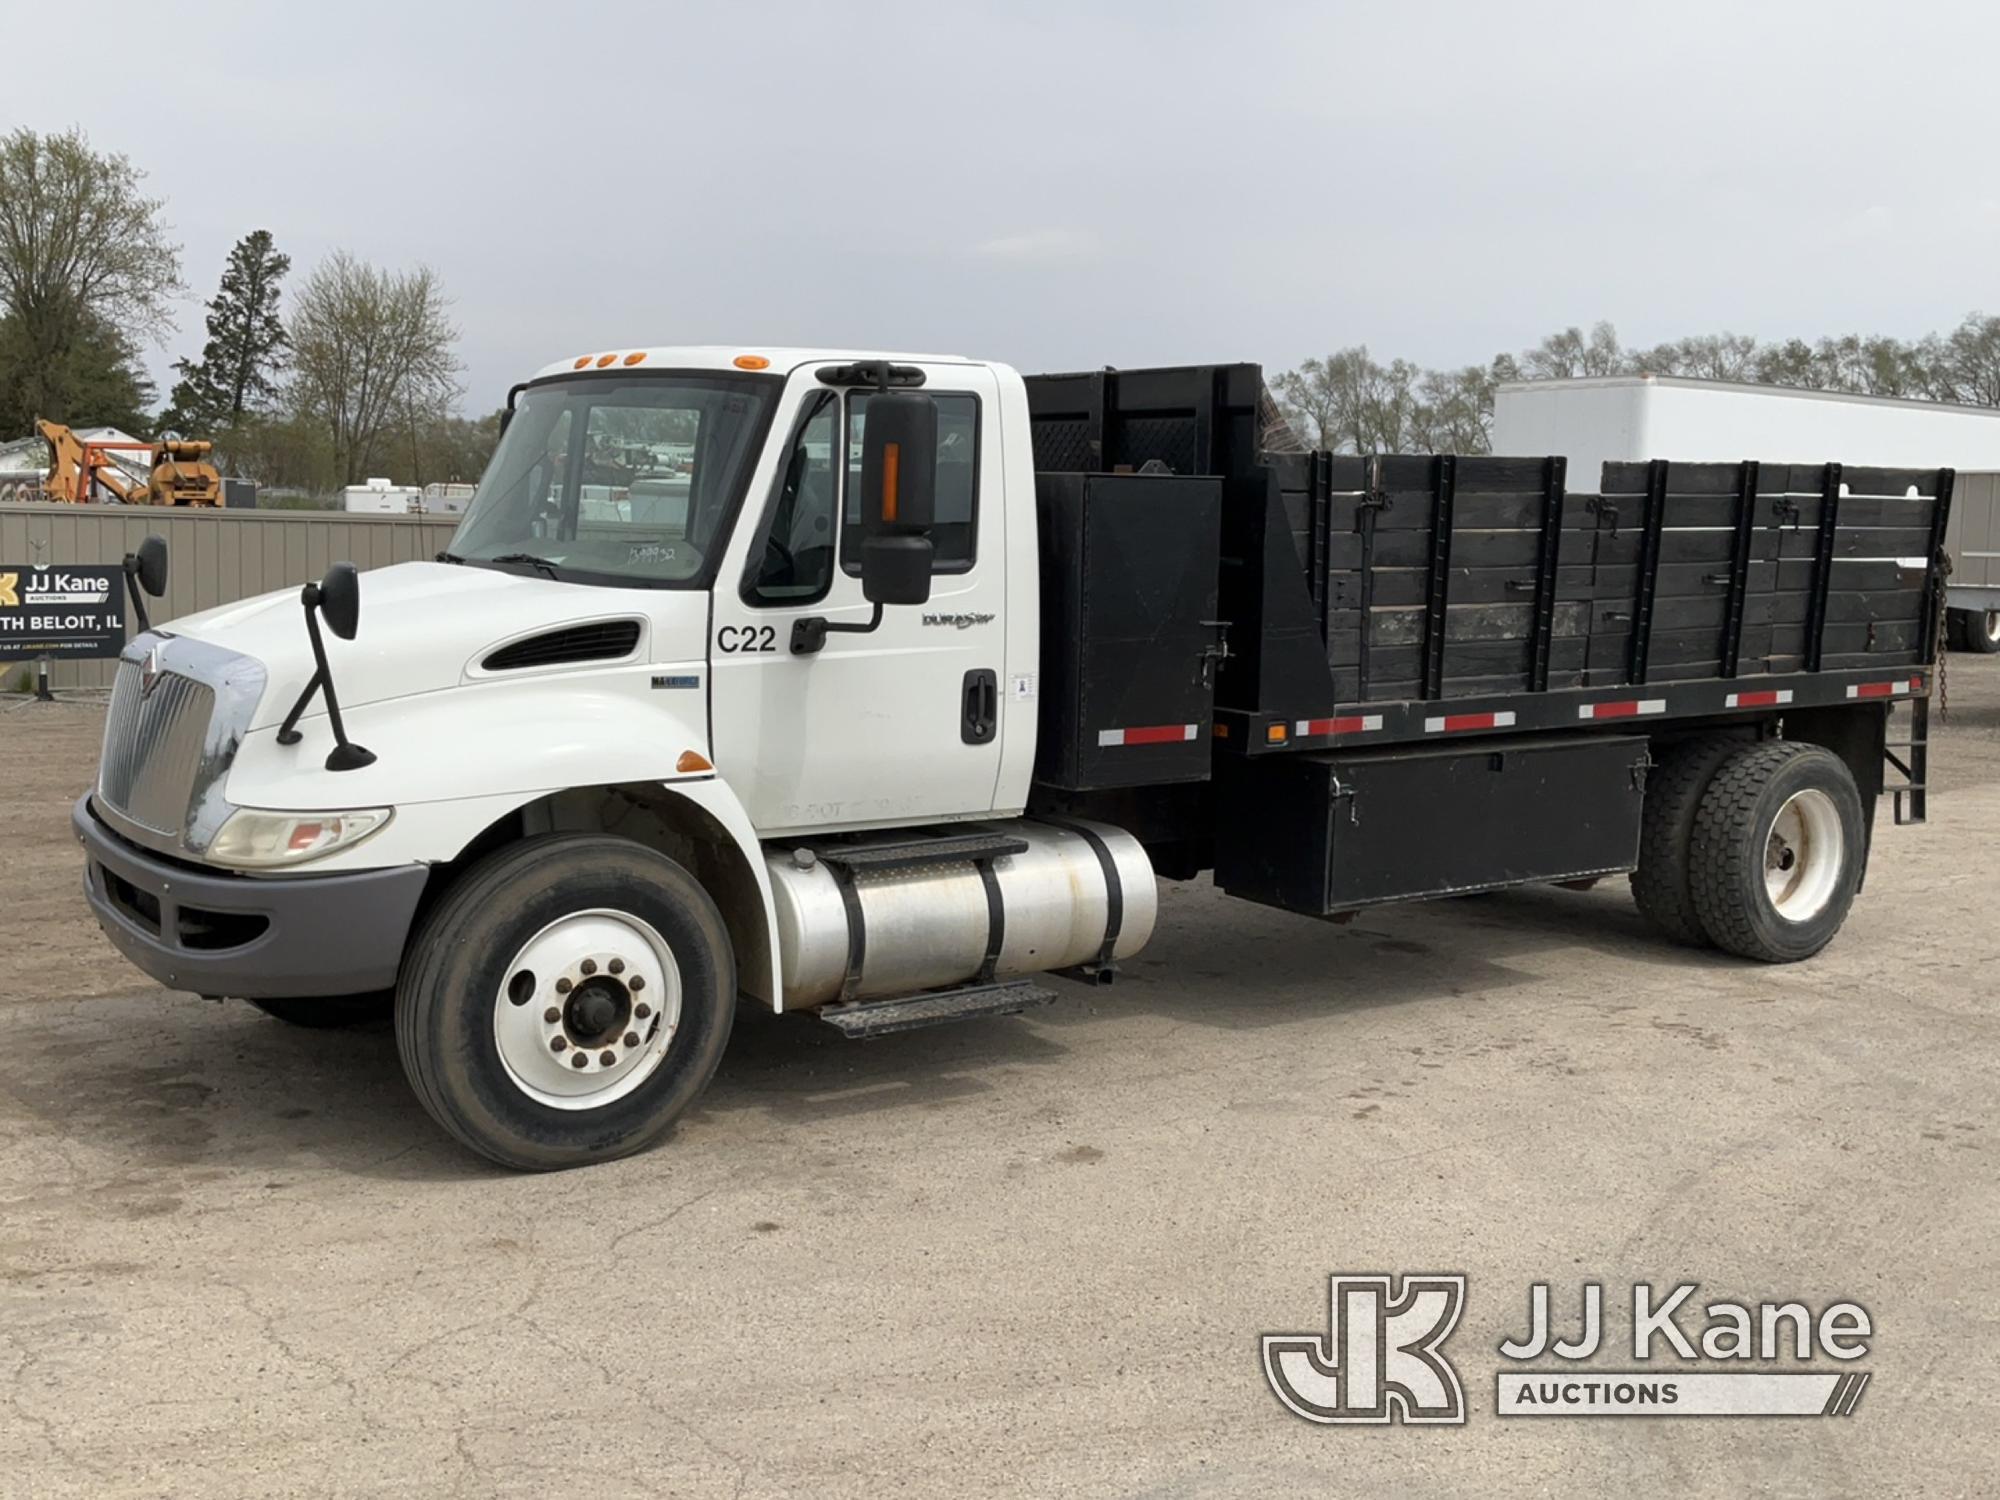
(1014, 1256)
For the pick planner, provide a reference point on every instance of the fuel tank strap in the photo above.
(1114, 889)
(996, 920)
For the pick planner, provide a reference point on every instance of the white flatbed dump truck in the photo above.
(883, 686)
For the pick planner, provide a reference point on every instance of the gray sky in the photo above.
(1065, 185)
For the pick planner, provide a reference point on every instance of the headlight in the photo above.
(253, 838)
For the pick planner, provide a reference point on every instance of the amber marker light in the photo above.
(751, 362)
(606, 359)
(892, 468)
(581, 363)
(692, 761)
(1274, 734)
(636, 357)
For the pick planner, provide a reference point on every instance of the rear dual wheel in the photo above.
(1975, 630)
(1757, 849)
(567, 1000)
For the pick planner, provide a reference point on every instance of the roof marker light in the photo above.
(605, 359)
(581, 363)
(636, 357)
(751, 362)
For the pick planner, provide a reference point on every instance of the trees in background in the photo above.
(86, 270)
(372, 354)
(236, 376)
(1348, 402)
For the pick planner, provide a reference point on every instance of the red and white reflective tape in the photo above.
(1450, 723)
(1623, 708)
(1151, 734)
(1760, 698)
(1885, 689)
(1346, 724)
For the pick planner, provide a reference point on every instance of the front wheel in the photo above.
(1780, 842)
(566, 1001)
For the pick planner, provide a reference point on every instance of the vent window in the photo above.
(607, 640)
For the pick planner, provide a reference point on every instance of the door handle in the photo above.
(979, 707)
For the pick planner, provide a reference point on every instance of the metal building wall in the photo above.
(216, 556)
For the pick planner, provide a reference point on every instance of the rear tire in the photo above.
(1674, 787)
(1982, 631)
(1780, 843)
(615, 941)
(329, 1012)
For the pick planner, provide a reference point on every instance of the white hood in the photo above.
(426, 626)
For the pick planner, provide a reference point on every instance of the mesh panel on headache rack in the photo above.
(1062, 446)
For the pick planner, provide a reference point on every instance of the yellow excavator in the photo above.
(82, 470)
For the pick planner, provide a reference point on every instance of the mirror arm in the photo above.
(809, 634)
(345, 754)
(132, 588)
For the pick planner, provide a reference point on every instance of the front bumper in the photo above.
(243, 936)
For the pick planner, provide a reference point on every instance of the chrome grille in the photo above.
(153, 744)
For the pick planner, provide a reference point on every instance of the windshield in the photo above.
(619, 479)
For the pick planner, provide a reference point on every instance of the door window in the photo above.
(795, 562)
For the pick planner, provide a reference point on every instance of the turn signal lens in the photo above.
(692, 761)
(251, 838)
(751, 362)
(892, 470)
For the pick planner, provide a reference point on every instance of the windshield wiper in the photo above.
(527, 559)
(451, 557)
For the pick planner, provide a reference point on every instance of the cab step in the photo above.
(862, 1019)
(904, 853)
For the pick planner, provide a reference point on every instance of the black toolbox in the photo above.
(1130, 641)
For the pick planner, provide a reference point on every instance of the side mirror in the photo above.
(149, 565)
(898, 493)
(340, 600)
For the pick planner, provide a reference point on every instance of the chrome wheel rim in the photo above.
(1803, 855)
(1990, 623)
(587, 1009)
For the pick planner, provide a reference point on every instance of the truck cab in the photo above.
(653, 654)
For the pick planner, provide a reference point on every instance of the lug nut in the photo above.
(579, 1061)
(562, 986)
(589, 966)
(631, 1038)
(617, 966)
(558, 1044)
(552, 1015)
(638, 981)
(642, 1011)
(607, 1057)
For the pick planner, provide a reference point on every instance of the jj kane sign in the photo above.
(60, 611)
(1382, 1357)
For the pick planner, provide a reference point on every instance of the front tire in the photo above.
(567, 1000)
(1780, 843)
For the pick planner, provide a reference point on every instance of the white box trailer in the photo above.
(380, 497)
(1620, 418)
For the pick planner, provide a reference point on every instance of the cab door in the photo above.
(899, 725)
